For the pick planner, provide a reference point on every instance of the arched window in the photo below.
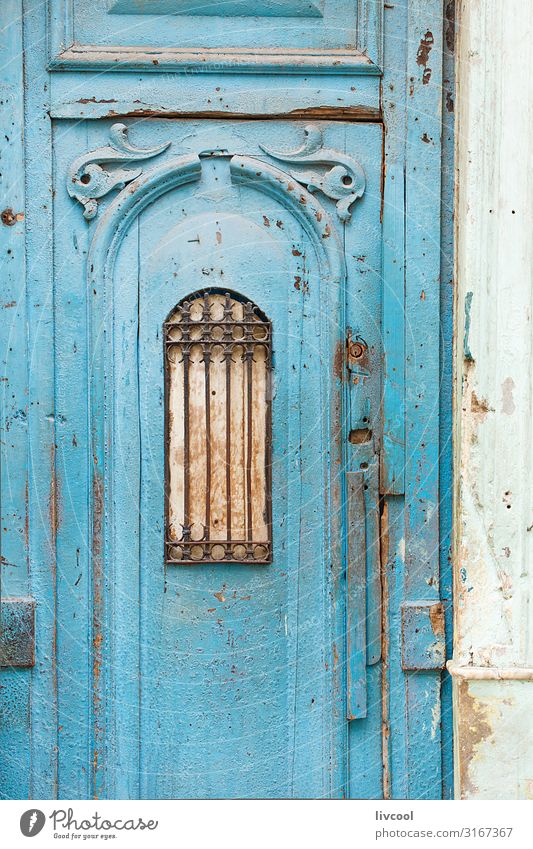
(218, 431)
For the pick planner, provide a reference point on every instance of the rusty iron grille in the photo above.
(219, 431)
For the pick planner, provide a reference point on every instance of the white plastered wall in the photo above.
(493, 559)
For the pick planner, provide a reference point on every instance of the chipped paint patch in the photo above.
(401, 549)
(435, 719)
(508, 405)
(474, 729)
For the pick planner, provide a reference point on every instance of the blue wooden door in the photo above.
(228, 596)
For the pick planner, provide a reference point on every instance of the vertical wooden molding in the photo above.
(42, 489)
(15, 726)
(411, 326)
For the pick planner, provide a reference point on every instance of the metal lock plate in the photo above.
(423, 637)
(17, 632)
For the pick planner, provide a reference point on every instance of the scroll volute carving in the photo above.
(344, 179)
(87, 180)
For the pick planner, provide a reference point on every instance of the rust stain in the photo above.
(449, 28)
(27, 516)
(422, 55)
(474, 729)
(53, 499)
(338, 360)
(328, 113)
(479, 406)
(385, 719)
(85, 100)
(98, 513)
(436, 618)
(10, 218)
(424, 49)
(97, 666)
(97, 616)
(360, 435)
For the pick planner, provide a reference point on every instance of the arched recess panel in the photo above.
(239, 230)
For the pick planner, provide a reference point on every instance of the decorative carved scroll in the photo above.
(343, 182)
(87, 180)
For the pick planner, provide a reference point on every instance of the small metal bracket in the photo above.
(423, 637)
(357, 363)
(17, 632)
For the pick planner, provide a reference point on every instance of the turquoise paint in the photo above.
(466, 340)
(239, 8)
(422, 374)
(14, 707)
(446, 381)
(343, 36)
(146, 683)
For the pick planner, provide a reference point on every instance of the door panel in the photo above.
(240, 35)
(242, 665)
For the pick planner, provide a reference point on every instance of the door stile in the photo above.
(392, 460)
(412, 571)
(14, 577)
(124, 570)
(72, 475)
(43, 744)
(446, 382)
(422, 297)
(361, 435)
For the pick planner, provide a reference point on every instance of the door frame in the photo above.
(414, 98)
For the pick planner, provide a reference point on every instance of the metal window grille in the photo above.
(218, 431)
